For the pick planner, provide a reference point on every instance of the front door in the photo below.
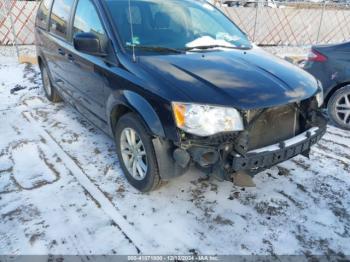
(87, 72)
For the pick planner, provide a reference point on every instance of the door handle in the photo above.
(61, 51)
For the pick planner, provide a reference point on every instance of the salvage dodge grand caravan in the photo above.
(176, 83)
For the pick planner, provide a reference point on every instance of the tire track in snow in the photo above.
(327, 140)
(331, 155)
(143, 243)
(334, 149)
(335, 132)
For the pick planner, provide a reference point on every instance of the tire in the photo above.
(145, 179)
(50, 92)
(339, 108)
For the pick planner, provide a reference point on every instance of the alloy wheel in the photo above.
(343, 108)
(133, 154)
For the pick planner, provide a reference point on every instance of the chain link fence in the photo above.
(17, 20)
(291, 23)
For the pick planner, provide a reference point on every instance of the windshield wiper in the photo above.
(157, 48)
(204, 47)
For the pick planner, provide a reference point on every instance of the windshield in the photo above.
(164, 25)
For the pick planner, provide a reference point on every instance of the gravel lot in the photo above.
(62, 192)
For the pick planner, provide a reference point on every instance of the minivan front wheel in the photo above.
(339, 107)
(50, 91)
(136, 153)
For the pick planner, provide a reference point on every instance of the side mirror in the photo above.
(90, 44)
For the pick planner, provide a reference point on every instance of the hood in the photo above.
(244, 79)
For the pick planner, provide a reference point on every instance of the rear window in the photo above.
(43, 13)
(60, 16)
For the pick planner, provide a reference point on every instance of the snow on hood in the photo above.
(208, 40)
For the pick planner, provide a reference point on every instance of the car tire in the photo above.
(50, 91)
(136, 153)
(339, 108)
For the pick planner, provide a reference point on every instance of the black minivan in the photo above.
(176, 83)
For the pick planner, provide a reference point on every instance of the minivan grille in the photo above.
(273, 125)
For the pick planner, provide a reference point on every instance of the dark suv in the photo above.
(176, 83)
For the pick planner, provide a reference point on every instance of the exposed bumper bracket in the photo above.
(271, 155)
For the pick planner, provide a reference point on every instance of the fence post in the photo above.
(321, 21)
(256, 20)
(9, 14)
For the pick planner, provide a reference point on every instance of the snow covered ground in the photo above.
(62, 192)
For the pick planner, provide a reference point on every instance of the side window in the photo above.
(43, 13)
(87, 20)
(59, 17)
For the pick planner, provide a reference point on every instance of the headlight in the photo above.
(320, 95)
(206, 120)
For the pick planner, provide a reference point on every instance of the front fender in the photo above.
(163, 148)
(139, 105)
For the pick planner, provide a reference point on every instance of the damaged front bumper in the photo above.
(271, 155)
(249, 152)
